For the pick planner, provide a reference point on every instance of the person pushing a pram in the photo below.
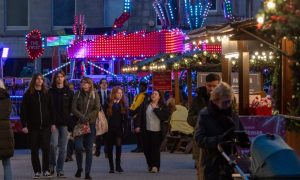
(216, 123)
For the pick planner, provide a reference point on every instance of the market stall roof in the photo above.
(238, 30)
(221, 29)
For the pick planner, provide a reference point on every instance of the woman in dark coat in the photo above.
(216, 123)
(117, 117)
(6, 134)
(154, 114)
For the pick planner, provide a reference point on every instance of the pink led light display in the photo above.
(137, 44)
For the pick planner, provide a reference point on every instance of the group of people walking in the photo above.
(46, 115)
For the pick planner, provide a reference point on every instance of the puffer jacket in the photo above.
(6, 134)
(79, 106)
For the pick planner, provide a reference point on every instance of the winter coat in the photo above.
(62, 105)
(79, 106)
(198, 103)
(210, 131)
(161, 112)
(6, 134)
(36, 110)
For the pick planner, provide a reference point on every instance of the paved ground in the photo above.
(173, 167)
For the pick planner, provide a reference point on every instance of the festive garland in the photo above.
(280, 19)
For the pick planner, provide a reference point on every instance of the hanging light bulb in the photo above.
(260, 19)
(271, 5)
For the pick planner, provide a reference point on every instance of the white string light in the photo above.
(56, 69)
(89, 62)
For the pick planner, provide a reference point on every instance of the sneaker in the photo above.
(36, 175)
(154, 170)
(47, 174)
(60, 174)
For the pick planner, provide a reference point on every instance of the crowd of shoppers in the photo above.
(49, 118)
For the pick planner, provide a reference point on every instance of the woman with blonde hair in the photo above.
(6, 134)
(117, 117)
(85, 108)
(216, 124)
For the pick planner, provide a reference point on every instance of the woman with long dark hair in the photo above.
(6, 133)
(85, 107)
(155, 113)
(37, 120)
(117, 117)
(62, 98)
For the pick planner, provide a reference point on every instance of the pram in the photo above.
(271, 158)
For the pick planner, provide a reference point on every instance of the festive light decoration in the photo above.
(34, 44)
(96, 66)
(228, 10)
(170, 9)
(79, 27)
(271, 5)
(84, 68)
(157, 5)
(56, 69)
(186, 4)
(196, 12)
(124, 16)
(138, 44)
(280, 18)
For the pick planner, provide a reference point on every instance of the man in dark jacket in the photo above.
(199, 102)
(37, 120)
(104, 95)
(62, 98)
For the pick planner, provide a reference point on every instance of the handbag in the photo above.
(82, 128)
(101, 123)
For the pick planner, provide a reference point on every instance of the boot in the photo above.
(118, 166)
(111, 165)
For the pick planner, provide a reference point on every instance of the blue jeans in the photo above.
(82, 143)
(7, 169)
(58, 141)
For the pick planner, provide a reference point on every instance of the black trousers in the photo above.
(99, 141)
(70, 148)
(139, 141)
(114, 137)
(152, 141)
(40, 138)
